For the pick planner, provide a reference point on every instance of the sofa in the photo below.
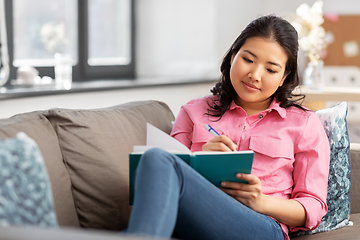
(86, 157)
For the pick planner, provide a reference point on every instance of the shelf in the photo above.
(316, 99)
(331, 94)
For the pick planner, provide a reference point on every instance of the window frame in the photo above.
(82, 71)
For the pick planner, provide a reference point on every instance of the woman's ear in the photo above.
(283, 79)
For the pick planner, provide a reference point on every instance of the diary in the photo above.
(214, 166)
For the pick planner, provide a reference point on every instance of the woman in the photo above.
(252, 107)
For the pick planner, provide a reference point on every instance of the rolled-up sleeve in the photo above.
(311, 170)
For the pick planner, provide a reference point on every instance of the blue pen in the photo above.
(214, 132)
(211, 130)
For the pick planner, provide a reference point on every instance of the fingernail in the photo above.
(223, 184)
(235, 145)
(238, 175)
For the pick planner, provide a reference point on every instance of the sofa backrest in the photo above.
(95, 145)
(355, 177)
(38, 127)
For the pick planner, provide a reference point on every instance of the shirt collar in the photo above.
(275, 105)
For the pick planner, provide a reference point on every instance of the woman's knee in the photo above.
(154, 153)
(156, 156)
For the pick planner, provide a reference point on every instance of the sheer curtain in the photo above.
(4, 55)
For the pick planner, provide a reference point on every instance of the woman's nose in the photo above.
(255, 74)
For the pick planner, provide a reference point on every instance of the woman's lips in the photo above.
(250, 87)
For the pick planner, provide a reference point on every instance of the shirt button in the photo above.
(244, 127)
(261, 116)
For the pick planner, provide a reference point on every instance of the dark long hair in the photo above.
(268, 27)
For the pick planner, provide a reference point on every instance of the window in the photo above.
(42, 28)
(97, 33)
(4, 56)
(105, 47)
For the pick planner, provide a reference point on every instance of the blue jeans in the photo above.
(170, 195)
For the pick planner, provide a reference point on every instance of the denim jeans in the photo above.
(170, 195)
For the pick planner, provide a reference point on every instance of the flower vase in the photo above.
(313, 77)
(63, 70)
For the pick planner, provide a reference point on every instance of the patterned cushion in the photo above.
(338, 198)
(25, 190)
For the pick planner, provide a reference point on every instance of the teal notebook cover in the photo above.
(219, 166)
(214, 166)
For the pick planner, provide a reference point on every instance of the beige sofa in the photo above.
(86, 156)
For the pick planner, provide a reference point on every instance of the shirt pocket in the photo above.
(272, 147)
(273, 162)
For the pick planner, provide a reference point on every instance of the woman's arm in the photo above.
(183, 128)
(287, 211)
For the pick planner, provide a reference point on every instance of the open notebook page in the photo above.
(159, 139)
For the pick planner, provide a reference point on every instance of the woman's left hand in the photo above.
(287, 211)
(248, 194)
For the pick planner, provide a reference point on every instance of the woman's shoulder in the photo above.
(304, 116)
(199, 103)
(297, 111)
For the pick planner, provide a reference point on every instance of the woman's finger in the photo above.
(219, 143)
(250, 178)
(237, 186)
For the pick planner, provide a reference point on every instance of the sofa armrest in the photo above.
(355, 177)
(37, 233)
(354, 146)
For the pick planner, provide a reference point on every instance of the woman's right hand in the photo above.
(220, 143)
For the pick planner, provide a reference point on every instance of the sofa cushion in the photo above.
(37, 127)
(37, 233)
(347, 233)
(355, 178)
(95, 145)
(26, 197)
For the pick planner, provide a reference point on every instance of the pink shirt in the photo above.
(291, 148)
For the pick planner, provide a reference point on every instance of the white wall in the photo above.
(190, 37)
(176, 38)
(186, 38)
(182, 38)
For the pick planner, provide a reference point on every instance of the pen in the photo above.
(214, 132)
(211, 130)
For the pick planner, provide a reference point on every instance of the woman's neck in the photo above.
(254, 108)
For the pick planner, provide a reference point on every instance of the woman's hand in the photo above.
(248, 194)
(287, 211)
(220, 143)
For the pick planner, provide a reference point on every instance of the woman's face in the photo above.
(257, 70)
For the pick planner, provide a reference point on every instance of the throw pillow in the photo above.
(25, 190)
(338, 197)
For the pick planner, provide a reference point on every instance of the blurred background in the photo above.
(158, 39)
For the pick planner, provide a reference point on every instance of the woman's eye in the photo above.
(247, 60)
(271, 71)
